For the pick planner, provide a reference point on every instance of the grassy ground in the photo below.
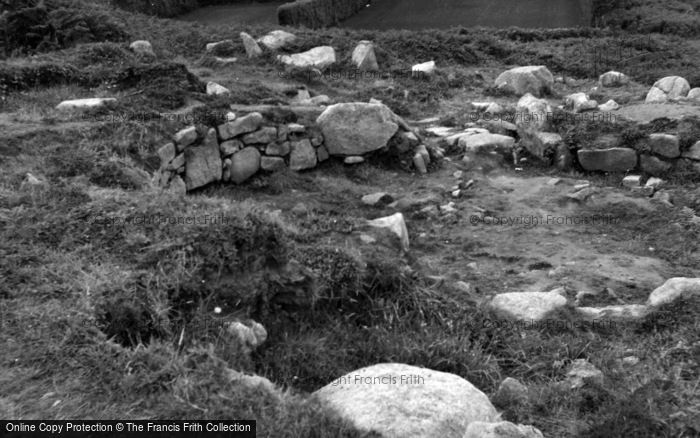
(106, 319)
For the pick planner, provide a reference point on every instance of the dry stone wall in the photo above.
(239, 148)
(318, 13)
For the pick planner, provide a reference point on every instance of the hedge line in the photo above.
(318, 13)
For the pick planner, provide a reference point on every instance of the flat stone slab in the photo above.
(608, 160)
(528, 306)
(92, 102)
(648, 112)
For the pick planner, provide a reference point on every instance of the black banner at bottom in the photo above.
(127, 428)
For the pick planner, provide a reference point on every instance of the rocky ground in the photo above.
(527, 286)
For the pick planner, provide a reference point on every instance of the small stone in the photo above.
(500, 429)
(430, 210)
(214, 89)
(582, 195)
(226, 177)
(296, 128)
(608, 106)
(272, 164)
(278, 149)
(322, 153)
(494, 108)
(264, 135)
(528, 306)
(225, 61)
(644, 191)
(620, 313)
(241, 125)
(203, 165)
(94, 102)
(583, 372)
(423, 151)
(277, 39)
(456, 193)
(185, 137)
(316, 141)
(364, 57)
(177, 186)
(251, 336)
(377, 199)
(666, 145)
(219, 47)
(458, 174)
(230, 116)
(320, 100)
(354, 160)
(608, 160)
(230, 147)
(282, 133)
(424, 69)
(396, 224)
(303, 155)
(694, 94)
(317, 58)
(166, 154)
(210, 139)
(631, 181)
(674, 289)
(580, 102)
(30, 182)
(142, 47)
(653, 165)
(510, 393)
(448, 208)
(694, 152)
(177, 162)
(244, 164)
(419, 164)
(252, 49)
(663, 197)
(613, 79)
(654, 183)
(630, 360)
(463, 287)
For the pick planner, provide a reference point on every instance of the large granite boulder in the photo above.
(668, 88)
(357, 128)
(404, 401)
(533, 79)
